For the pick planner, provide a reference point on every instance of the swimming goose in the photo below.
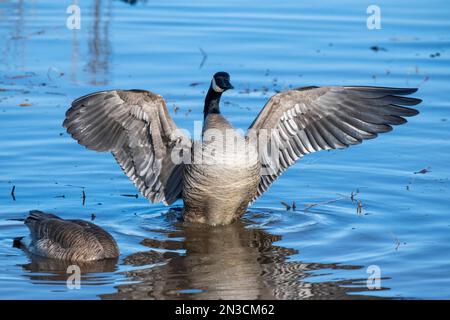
(135, 126)
(71, 240)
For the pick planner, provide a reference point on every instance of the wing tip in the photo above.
(387, 90)
(412, 112)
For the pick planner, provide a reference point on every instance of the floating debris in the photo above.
(56, 93)
(93, 216)
(83, 197)
(435, 55)
(204, 55)
(54, 71)
(311, 205)
(397, 243)
(38, 32)
(423, 81)
(234, 104)
(359, 208)
(175, 108)
(130, 195)
(26, 103)
(71, 185)
(377, 48)
(21, 76)
(294, 206)
(423, 171)
(287, 206)
(194, 84)
(61, 196)
(353, 194)
(13, 193)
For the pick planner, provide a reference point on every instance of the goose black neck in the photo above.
(212, 101)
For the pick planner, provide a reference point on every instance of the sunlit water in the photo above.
(173, 48)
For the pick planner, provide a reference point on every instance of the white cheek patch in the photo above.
(215, 87)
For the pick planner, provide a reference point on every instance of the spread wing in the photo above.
(136, 127)
(306, 120)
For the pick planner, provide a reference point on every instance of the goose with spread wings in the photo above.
(218, 186)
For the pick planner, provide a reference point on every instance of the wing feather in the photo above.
(135, 126)
(311, 119)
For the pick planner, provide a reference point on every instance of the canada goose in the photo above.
(70, 240)
(136, 127)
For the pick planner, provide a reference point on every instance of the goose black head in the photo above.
(221, 82)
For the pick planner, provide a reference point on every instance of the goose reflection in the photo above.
(59, 267)
(194, 261)
(46, 270)
(229, 262)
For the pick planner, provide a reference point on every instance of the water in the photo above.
(169, 47)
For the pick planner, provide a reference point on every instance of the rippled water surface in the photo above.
(323, 249)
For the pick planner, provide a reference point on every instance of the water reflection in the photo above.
(45, 270)
(99, 43)
(231, 262)
(189, 261)
(74, 53)
(16, 41)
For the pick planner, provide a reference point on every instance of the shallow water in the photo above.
(172, 49)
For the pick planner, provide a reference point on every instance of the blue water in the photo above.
(266, 46)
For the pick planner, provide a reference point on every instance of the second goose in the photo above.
(70, 240)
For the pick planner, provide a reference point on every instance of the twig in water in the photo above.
(397, 241)
(287, 206)
(294, 206)
(12, 193)
(205, 56)
(311, 205)
(83, 196)
(359, 208)
(71, 185)
(423, 81)
(352, 195)
(130, 195)
(423, 171)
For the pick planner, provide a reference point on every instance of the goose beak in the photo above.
(227, 85)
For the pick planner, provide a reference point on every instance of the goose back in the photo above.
(74, 240)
